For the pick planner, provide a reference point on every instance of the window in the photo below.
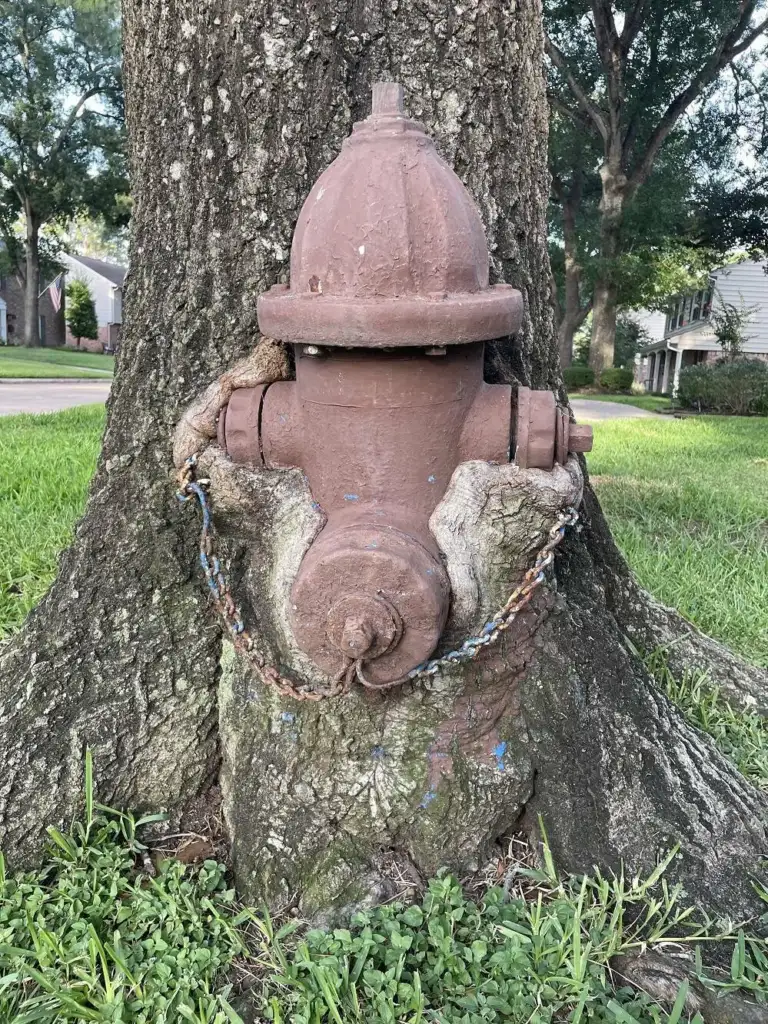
(689, 309)
(42, 330)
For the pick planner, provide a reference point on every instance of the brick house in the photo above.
(105, 281)
(52, 325)
(688, 338)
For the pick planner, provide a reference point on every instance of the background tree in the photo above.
(80, 312)
(627, 73)
(664, 251)
(61, 132)
(729, 325)
(240, 110)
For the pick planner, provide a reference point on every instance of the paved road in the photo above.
(50, 396)
(588, 409)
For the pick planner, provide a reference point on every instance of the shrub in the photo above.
(80, 312)
(614, 378)
(578, 376)
(737, 388)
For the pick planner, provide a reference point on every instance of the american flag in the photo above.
(56, 288)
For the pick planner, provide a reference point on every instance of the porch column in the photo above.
(676, 373)
(657, 371)
(665, 378)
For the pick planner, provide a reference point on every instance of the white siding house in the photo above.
(105, 281)
(688, 335)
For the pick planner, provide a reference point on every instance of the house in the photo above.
(688, 336)
(12, 318)
(105, 281)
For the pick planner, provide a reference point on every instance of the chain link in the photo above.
(191, 488)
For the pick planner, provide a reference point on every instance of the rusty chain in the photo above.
(191, 488)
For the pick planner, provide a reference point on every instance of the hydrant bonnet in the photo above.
(389, 249)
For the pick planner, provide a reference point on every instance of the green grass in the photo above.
(16, 361)
(96, 935)
(653, 403)
(46, 463)
(687, 500)
(741, 735)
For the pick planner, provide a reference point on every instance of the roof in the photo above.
(111, 271)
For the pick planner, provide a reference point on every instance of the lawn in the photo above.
(688, 503)
(654, 403)
(46, 463)
(16, 361)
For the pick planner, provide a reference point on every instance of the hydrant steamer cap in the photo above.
(389, 249)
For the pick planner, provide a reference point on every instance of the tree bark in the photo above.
(605, 295)
(31, 278)
(574, 313)
(233, 112)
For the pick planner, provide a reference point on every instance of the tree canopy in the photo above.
(622, 78)
(61, 124)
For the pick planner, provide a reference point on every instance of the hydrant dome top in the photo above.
(389, 248)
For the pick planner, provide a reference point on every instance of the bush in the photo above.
(614, 378)
(578, 377)
(734, 388)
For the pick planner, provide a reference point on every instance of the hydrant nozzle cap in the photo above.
(389, 248)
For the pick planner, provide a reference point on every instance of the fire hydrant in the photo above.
(388, 309)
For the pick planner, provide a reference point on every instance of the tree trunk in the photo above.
(31, 279)
(232, 115)
(605, 294)
(573, 314)
(604, 314)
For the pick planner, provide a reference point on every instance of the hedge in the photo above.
(614, 378)
(734, 388)
(578, 376)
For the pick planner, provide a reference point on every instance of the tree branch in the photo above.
(73, 115)
(632, 25)
(729, 46)
(557, 57)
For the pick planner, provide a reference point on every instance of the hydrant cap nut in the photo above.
(389, 248)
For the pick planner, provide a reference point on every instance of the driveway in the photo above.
(588, 409)
(49, 395)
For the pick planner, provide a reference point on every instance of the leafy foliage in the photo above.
(738, 388)
(614, 378)
(91, 938)
(61, 119)
(578, 376)
(80, 311)
(542, 956)
(642, 120)
(728, 323)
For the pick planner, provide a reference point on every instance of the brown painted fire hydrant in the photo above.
(388, 309)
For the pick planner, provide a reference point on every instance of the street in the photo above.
(49, 396)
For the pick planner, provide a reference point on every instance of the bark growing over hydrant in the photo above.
(233, 113)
